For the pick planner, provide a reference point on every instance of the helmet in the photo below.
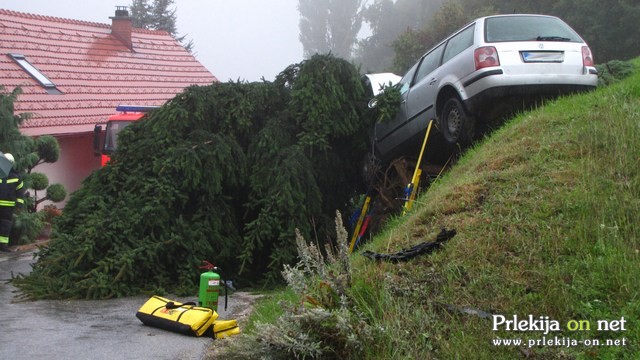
(10, 158)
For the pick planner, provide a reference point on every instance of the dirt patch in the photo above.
(241, 304)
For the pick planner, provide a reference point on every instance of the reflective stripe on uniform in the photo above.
(12, 180)
(8, 203)
(20, 200)
(4, 240)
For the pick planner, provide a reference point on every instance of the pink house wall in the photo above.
(76, 162)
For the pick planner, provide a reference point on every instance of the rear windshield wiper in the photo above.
(552, 38)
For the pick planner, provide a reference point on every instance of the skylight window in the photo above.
(35, 73)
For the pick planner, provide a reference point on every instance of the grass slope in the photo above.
(546, 212)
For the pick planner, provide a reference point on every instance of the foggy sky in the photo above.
(237, 39)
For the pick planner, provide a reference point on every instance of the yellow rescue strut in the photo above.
(356, 231)
(412, 188)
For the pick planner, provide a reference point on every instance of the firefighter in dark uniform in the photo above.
(11, 195)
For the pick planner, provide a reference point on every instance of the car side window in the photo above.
(458, 43)
(405, 82)
(430, 62)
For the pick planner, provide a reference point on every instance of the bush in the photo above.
(39, 181)
(613, 71)
(56, 193)
(50, 212)
(26, 227)
(326, 325)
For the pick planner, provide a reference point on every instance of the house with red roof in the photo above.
(74, 73)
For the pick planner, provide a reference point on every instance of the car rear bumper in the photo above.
(495, 88)
(497, 77)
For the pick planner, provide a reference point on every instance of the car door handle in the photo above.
(433, 81)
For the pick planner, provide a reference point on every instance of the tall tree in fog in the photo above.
(387, 19)
(413, 43)
(140, 12)
(329, 26)
(158, 15)
(610, 28)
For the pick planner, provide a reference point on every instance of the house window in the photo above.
(35, 73)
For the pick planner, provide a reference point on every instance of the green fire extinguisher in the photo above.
(210, 282)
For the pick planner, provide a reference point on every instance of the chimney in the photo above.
(121, 26)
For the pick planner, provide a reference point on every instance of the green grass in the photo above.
(268, 308)
(546, 212)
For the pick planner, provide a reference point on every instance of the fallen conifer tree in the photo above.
(224, 173)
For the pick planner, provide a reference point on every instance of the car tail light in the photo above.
(486, 57)
(587, 58)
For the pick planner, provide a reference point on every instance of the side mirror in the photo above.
(97, 141)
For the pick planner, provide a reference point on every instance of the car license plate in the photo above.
(542, 56)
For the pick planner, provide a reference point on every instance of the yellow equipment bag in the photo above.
(184, 318)
(225, 328)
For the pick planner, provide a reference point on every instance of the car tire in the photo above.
(456, 125)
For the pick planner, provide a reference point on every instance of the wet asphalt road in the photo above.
(76, 329)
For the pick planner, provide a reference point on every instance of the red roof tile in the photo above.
(92, 68)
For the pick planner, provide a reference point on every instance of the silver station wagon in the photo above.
(485, 71)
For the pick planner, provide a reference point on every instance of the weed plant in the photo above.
(323, 322)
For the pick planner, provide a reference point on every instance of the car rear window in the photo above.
(528, 28)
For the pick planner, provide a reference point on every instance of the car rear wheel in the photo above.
(456, 124)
